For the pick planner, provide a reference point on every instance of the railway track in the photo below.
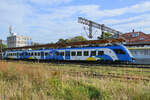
(90, 64)
(103, 76)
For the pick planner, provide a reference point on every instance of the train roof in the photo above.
(112, 47)
(60, 45)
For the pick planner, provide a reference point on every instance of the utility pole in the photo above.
(102, 27)
(1, 49)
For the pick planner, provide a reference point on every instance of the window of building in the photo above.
(100, 53)
(142, 38)
(86, 53)
(135, 34)
(119, 51)
(73, 53)
(93, 53)
(79, 53)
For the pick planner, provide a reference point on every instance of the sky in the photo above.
(47, 21)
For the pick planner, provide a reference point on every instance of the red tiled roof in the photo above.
(129, 38)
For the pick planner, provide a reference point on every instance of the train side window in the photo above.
(50, 53)
(57, 53)
(73, 53)
(32, 54)
(93, 53)
(62, 53)
(86, 53)
(35, 53)
(38, 53)
(119, 51)
(46, 53)
(100, 52)
(79, 53)
(67, 53)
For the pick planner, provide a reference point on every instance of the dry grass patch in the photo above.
(37, 81)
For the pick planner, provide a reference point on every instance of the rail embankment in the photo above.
(49, 81)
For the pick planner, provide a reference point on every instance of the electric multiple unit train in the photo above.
(113, 53)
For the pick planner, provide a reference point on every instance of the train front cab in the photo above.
(123, 55)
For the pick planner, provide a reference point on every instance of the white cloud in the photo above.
(140, 25)
(126, 20)
(96, 12)
(49, 2)
(61, 22)
(13, 13)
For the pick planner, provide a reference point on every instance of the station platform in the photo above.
(142, 54)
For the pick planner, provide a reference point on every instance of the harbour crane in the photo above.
(102, 27)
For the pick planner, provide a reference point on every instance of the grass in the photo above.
(47, 81)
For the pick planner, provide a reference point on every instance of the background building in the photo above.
(15, 40)
(139, 46)
(136, 37)
(18, 41)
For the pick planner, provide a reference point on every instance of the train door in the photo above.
(67, 55)
(42, 55)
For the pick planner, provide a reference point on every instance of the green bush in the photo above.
(72, 90)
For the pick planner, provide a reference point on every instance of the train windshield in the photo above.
(127, 51)
(119, 51)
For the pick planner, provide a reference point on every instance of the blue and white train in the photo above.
(113, 53)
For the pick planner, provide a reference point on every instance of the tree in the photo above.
(3, 46)
(106, 35)
(74, 39)
(78, 38)
(61, 40)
